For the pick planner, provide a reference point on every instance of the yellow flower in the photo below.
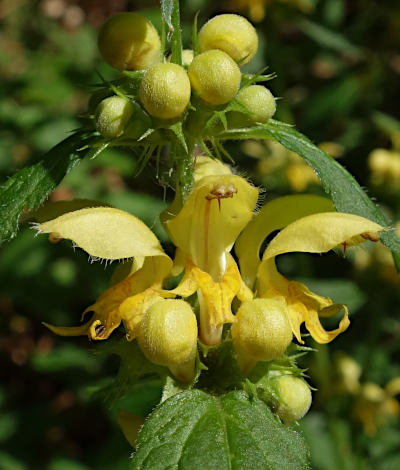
(307, 227)
(218, 213)
(256, 8)
(375, 405)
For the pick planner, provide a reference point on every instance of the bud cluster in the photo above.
(129, 42)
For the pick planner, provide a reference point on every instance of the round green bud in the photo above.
(262, 331)
(165, 91)
(112, 115)
(215, 77)
(293, 397)
(232, 34)
(259, 101)
(168, 332)
(127, 41)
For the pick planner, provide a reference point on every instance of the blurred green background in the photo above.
(338, 67)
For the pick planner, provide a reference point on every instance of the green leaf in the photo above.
(171, 20)
(328, 38)
(344, 190)
(29, 187)
(196, 430)
(65, 357)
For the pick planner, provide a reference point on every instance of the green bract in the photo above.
(112, 115)
(127, 41)
(215, 76)
(165, 91)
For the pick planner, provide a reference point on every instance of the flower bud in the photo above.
(259, 101)
(165, 91)
(293, 397)
(262, 332)
(112, 115)
(215, 77)
(187, 57)
(168, 336)
(127, 41)
(232, 34)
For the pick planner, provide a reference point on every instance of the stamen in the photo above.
(372, 236)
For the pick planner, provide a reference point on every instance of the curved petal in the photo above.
(322, 232)
(105, 233)
(302, 305)
(214, 214)
(306, 306)
(274, 215)
(112, 306)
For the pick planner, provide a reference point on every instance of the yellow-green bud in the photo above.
(127, 41)
(165, 90)
(215, 77)
(112, 115)
(232, 34)
(262, 332)
(187, 57)
(168, 336)
(259, 100)
(293, 397)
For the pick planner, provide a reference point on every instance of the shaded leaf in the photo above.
(29, 187)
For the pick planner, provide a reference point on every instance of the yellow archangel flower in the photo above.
(218, 212)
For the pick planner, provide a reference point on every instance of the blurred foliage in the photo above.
(338, 66)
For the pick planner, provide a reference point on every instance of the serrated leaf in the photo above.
(177, 129)
(346, 193)
(196, 430)
(29, 187)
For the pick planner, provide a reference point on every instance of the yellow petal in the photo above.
(51, 210)
(311, 306)
(303, 306)
(130, 425)
(273, 216)
(105, 233)
(133, 308)
(206, 166)
(69, 330)
(322, 232)
(218, 296)
(214, 214)
(110, 307)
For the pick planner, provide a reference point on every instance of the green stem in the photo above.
(184, 162)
